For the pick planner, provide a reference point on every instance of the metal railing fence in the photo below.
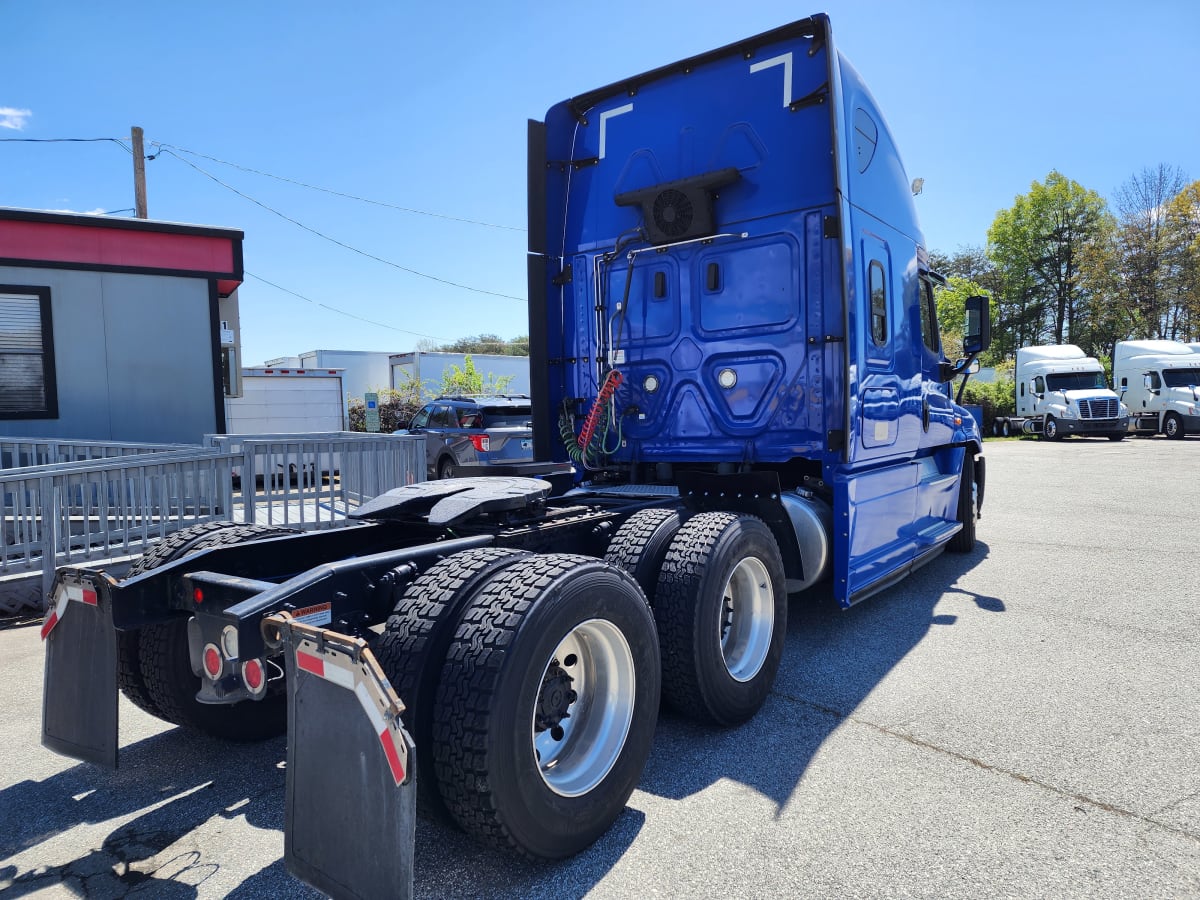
(84, 508)
(17, 453)
(312, 480)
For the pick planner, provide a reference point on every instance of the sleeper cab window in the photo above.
(878, 288)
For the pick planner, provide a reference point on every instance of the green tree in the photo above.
(396, 408)
(1037, 247)
(480, 343)
(969, 271)
(1105, 317)
(1183, 258)
(467, 380)
(951, 312)
(1146, 241)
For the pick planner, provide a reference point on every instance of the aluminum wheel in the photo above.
(584, 709)
(748, 619)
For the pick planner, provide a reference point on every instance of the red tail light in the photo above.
(481, 442)
(254, 677)
(212, 662)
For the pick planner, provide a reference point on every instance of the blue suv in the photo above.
(470, 435)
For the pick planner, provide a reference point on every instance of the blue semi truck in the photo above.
(739, 393)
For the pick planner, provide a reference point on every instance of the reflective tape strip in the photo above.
(386, 736)
(65, 592)
(310, 663)
(393, 755)
(325, 667)
(48, 625)
(81, 594)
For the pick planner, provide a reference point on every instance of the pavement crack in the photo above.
(1000, 770)
(1176, 802)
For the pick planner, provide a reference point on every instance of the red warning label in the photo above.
(319, 614)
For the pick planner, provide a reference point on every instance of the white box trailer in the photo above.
(287, 400)
(427, 368)
(1062, 391)
(1160, 383)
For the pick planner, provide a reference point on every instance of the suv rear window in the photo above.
(501, 416)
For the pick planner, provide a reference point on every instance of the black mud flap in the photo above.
(79, 700)
(350, 821)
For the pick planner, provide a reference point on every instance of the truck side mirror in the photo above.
(961, 366)
(978, 334)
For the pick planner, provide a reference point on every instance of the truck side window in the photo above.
(878, 305)
(1039, 385)
(1155, 381)
(929, 322)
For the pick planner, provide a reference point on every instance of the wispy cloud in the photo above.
(98, 211)
(13, 118)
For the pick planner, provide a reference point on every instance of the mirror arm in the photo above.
(963, 368)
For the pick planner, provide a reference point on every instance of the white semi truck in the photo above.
(1062, 391)
(1160, 383)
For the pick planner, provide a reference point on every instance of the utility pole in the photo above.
(139, 174)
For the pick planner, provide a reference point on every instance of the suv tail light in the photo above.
(481, 442)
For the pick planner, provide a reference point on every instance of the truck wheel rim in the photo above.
(747, 619)
(584, 708)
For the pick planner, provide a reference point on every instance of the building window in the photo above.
(230, 375)
(27, 385)
(879, 331)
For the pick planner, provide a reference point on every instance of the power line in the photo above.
(118, 141)
(351, 315)
(335, 309)
(59, 140)
(332, 240)
(314, 187)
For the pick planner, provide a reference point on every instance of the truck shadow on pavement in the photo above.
(179, 781)
(834, 658)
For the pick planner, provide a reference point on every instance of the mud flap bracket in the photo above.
(350, 818)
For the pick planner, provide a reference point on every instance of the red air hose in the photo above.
(612, 381)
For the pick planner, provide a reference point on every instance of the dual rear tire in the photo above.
(533, 681)
(154, 668)
(720, 605)
(532, 690)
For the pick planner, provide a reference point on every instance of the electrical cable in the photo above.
(335, 309)
(323, 190)
(351, 315)
(342, 244)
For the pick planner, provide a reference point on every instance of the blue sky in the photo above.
(424, 106)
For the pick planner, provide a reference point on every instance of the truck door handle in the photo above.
(925, 412)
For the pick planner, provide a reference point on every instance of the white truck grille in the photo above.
(1098, 409)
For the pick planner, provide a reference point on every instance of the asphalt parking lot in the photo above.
(1022, 721)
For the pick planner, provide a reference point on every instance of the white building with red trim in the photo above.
(116, 329)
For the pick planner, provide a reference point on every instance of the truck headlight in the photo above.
(1069, 413)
